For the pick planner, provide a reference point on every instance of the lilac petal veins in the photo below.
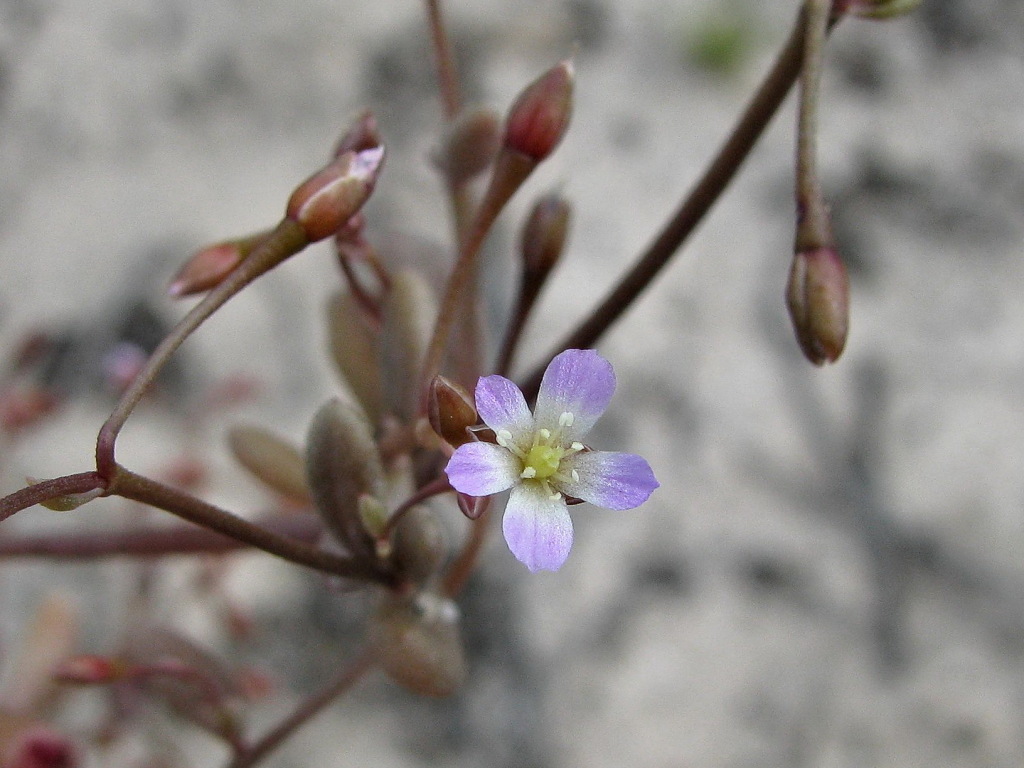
(537, 528)
(577, 381)
(502, 406)
(610, 480)
(480, 469)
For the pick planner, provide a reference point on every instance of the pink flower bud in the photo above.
(88, 670)
(818, 298)
(323, 203)
(451, 411)
(210, 265)
(540, 115)
(362, 134)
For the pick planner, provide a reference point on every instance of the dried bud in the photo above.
(878, 9)
(451, 411)
(362, 134)
(544, 236)
(469, 146)
(409, 312)
(210, 265)
(272, 460)
(354, 349)
(418, 645)
(818, 298)
(418, 548)
(343, 464)
(540, 115)
(323, 203)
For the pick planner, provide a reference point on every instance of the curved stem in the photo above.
(698, 202)
(305, 712)
(147, 491)
(288, 238)
(462, 566)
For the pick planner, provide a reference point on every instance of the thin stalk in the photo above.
(444, 61)
(305, 712)
(464, 564)
(288, 238)
(49, 489)
(814, 230)
(188, 507)
(748, 129)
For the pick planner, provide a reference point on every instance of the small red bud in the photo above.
(210, 265)
(451, 411)
(42, 747)
(818, 298)
(544, 235)
(540, 115)
(323, 203)
(88, 670)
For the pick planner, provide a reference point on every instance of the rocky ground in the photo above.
(831, 572)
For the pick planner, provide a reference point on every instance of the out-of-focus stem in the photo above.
(462, 567)
(696, 204)
(306, 711)
(444, 61)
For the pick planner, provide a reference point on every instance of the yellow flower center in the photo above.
(543, 460)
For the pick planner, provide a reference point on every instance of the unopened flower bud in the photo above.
(451, 411)
(40, 746)
(469, 145)
(343, 464)
(544, 236)
(418, 645)
(323, 203)
(818, 298)
(539, 117)
(272, 460)
(878, 9)
(210, 265)
(362, 134)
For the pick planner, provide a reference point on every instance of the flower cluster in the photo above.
(541, 458)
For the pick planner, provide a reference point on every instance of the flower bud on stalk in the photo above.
(469, 145)
(451, 411)
(210, 265)
(323, 203)
(818, 298)
(544, 237)
(361, 135)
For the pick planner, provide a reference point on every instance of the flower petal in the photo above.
(610, 480)
(480, 469)
(501, 405)
(538, 529)
(578, 381)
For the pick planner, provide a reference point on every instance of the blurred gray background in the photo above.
(831, 572)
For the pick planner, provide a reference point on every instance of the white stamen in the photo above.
(504, 437)
(545, 434)
(555, 496)
(575, 476)
(528, 472)
(577, 446)
(566, 419)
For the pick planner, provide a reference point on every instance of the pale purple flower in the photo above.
(540, 457)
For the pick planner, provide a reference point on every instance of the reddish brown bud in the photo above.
(89, 670)
(210, 265)
(23, 407)
(540, 115)
(323, 203)
(362, 134)
(818, 298)
(544, 235)
(451, 411)
(469, 145)
(40, 746)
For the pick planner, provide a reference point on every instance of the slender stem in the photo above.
(525, 301)
(813, 228)
(49, 489)
(306, 711)
(288, 238)
(698, 202)
(158, 542)
(444, 61)
(433, 488)
(143, 489)
(463, 565)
